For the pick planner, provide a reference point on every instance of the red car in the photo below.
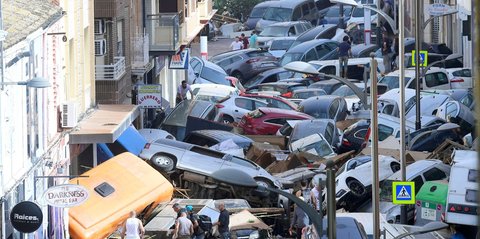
(273, 101)
(267, 121)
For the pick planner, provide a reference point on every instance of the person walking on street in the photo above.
(253, 40)
(386, 54)
(183, 227)
(299, 221)
(198, 232)
(344, 50)
(315, 196)
(182, 92)
(223, 222)
(178, 209)
(244, 41)
(133, 227)
(236, 45)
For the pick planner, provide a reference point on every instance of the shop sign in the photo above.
(66, 195)
(149, 96)
(440, 9)
(26, 217)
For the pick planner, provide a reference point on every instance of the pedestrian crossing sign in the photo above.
(423, 58)
(403, 192)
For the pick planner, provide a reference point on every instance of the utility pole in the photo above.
(340, 21)
(476, 70)
(418, 48)
(379, 30)
(374, 152)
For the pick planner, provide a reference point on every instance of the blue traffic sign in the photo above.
(403, 192)
(423, 58)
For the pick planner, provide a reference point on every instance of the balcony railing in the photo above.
(163, 31)
(112, 72)
(140, 52)
(205, 7)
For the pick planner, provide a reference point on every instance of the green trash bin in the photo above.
(431, 202)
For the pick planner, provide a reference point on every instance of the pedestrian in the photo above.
(133, 227)
(223, 222)
(253, 40)
(299, 221)
(178, 209)
(182, 92)
(306, 192)
(244, 41)
(183, 227)
(344, 50)
(236, 45)
(198, 232)
(315, 196)
(386, 54)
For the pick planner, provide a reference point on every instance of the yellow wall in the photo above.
(79, 57)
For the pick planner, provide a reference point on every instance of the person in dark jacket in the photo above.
(344, 50)
(223, 222)
(299, 221)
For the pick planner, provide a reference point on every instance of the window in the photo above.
(244, 103)
(434, 174)
(467, 100)
(196, 65)
(258, 12)
(329, 133)
(384, 131)
(296, 14)
(332, 111)
(291, 31)
(305, 9)
(225, 62)
(450, 110)
(472, 175)
(360, 134)
(322, 50)
(436, 79)
(311, 55)
(471, 196)
(259, 104)
(328, 33)
(284, 75)
(463, 73)
(330, 70)
(277, 121)
(418, 183)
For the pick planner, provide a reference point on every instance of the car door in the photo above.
(310, 55)
(437, 80)
(243, 105)
(322, 50)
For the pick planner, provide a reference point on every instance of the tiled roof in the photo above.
(22, 17)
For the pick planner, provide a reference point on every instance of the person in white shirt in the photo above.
(133, 228)
(182, 92)
(183, 227)
(237, 44)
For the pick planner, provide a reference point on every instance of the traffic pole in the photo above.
(374, 152)
(401, 65)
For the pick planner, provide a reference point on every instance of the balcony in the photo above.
(112, 72)
(163, 31)
(141, 59)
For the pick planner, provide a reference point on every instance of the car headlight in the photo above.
(340, 193)
(254, 235)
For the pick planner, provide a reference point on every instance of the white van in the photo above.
(354, 71)
(462, 201)
(435, 79)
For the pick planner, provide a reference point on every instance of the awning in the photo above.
(105, 124)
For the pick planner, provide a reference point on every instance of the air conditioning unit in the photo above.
(100, 47)
(69, 115)
(99, 26)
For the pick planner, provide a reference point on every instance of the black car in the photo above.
(430, 140)
(362, 50)
(325, 31)
(355, 137)
(312, 50)
(245, 64)
(328, 86)
(268, 76)
(325, 107)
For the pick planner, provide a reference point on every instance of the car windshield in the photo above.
(359, 12)
(281, 44)
(308, 94)
(278, 14)
(333, 12)
(289, 57)
(320, 148)
(258, 12)
(274, 31)
(302, 130)
(214, 76)
(392, 81)
(343, 91)
(178, 117)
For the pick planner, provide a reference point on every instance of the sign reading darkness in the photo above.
(26, 217)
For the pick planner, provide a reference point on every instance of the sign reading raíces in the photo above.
(26, 217)
(66, 195)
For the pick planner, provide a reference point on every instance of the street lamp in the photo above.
(239, 178)
(429, 227)
(353, 3)
(37, 82)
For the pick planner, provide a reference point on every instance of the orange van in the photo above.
(117, 186)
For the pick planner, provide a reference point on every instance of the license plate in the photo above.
(429, 214)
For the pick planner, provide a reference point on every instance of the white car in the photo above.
(212, 92)
(358, 16)
(232, 108)
(354, 178)
(152, 135)
(460, 78)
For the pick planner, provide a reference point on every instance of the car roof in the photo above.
(302, 47)
(308, 90)
(282, 83)
(292, 38)
(267, 110)
(284, 24)
(351, 61)
(174, 143)
(266, 4)
(288, 3)
(320, 100)
(415, 168)
(327, 82)
(212, 65)
(313, 32)
(234, 53)
(222, 135)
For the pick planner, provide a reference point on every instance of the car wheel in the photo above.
(356, 187)
(163, 162)
(395, 167)
(238, 75)
(227, 119)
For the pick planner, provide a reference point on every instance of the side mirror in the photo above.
(197, 74)
(354, 165)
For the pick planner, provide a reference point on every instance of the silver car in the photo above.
(169, 155)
